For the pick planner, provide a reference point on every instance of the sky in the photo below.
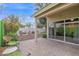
(23, 10)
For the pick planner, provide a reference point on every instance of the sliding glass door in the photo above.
(72, 31)
(67, 33)
(59, 30)
(56, 30)
(51, 30)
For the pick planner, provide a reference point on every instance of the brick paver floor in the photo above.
(25, 37)
(45, 47)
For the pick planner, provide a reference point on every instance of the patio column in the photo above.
(64, 31)
(54, 30)
(47, 28)
(36, 30)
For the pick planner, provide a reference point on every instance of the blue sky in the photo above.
(24, 10)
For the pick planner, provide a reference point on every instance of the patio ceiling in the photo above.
(57, 9)
(71, 12)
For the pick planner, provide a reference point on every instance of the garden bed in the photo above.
(12, 51)
(1, 50)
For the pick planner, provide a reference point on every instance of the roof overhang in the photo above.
(52, 8)
(45, 8)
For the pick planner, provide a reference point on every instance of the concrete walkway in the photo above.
(48, 48)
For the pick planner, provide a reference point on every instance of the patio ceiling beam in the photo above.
(36, 36)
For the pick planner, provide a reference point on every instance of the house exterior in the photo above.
(62, 22)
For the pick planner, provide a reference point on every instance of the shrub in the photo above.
(13, 35)
(44, 35)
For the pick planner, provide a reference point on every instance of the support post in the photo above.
(36, 31)
(54, 30)
(47, 29)
(64, 31)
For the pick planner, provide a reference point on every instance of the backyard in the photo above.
(34, 30)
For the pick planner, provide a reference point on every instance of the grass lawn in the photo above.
(16, 53)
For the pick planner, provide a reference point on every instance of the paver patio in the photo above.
(45, 47)
(26, 37)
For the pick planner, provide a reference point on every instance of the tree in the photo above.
(42, 22)
(28, 24)
(11, 24)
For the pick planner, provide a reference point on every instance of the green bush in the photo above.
(12, 43)
(44, 35)
(13, 35)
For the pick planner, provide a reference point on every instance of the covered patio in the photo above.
(48, 47)
(62, 22)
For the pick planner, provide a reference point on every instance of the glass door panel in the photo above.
(51, 30)
(60, 31)
(72, 32)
